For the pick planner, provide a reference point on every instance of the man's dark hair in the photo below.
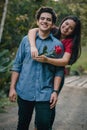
(48, 10)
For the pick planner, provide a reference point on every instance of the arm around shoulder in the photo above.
(32, 38)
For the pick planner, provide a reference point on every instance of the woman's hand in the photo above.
(34, 52)
(41, 58)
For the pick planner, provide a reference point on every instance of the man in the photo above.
(35, 83)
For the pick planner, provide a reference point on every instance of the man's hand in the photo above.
(12, 95)
(53, 100)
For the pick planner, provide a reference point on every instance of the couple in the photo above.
(36, 83)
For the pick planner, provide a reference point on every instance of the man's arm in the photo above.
(54, 95)
(16, 69)
(12, 91)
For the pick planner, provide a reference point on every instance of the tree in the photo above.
(20, 18)
(3, 19)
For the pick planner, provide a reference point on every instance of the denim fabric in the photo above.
(36, 79)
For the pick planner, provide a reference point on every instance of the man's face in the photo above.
(45, 22)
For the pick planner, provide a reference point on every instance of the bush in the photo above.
(5, 64)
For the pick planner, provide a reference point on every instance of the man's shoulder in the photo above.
(57, 41)
(54, 38)
(25, 38)
(24, 41)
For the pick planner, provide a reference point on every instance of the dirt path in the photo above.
(71, 110)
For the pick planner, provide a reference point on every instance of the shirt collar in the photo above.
(49, 36)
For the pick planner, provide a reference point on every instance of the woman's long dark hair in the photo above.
(76, 36)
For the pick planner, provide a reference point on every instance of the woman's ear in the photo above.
(53, 26)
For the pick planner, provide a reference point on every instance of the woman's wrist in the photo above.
(33, 46)
(48, 60)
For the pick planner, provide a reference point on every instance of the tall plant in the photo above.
(5, 65)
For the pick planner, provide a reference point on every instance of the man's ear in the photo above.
(37, 22)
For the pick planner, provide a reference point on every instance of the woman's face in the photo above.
(67, 27)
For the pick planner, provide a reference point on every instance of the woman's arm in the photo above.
(57, 62)
(32, 37)
(34, 52)
(61, 61)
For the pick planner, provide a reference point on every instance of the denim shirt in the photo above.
(36, 80)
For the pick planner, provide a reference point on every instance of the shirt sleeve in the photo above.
(59, 71)
(18, 61)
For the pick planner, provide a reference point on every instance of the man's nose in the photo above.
(45, 20)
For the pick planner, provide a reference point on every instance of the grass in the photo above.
(82, 61)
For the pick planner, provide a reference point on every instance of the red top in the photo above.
(67, 43)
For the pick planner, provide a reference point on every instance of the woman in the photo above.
(69, 33)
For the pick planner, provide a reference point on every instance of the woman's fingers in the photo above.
(34, 52)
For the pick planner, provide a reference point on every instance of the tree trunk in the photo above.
(3, 19)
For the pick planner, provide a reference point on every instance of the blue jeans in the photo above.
(43, 115)
(25, 111)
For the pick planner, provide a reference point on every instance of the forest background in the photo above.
(18, 16)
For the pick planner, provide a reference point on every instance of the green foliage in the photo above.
(1, 8)
(5, 65)
(73, 1)
(82, 61)
(78, 8)
(21, 17)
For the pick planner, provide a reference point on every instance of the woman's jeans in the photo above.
(42, 110)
